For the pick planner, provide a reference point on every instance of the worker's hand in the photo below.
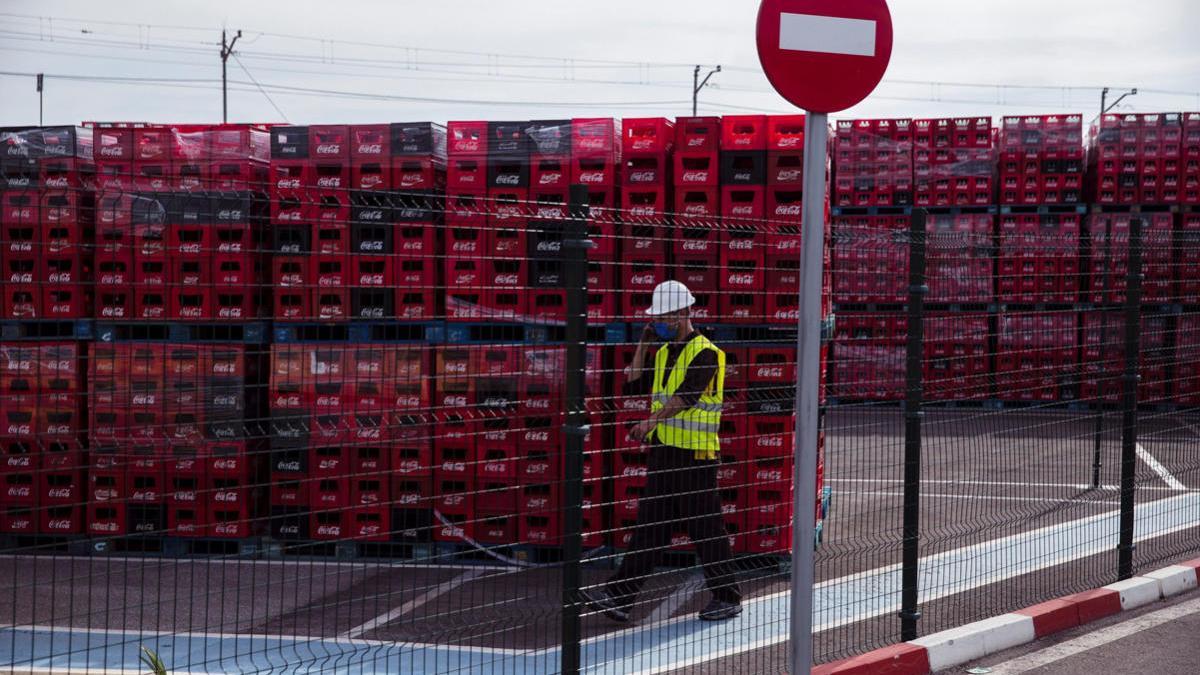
(641, 430)
(648, 334)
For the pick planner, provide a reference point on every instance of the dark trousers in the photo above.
(681, 494)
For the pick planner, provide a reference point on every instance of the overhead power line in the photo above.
(491, 60)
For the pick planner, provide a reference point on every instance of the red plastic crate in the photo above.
(696, 169)
(785, 133)
(648, 135)
(744, 132)
(697, 134)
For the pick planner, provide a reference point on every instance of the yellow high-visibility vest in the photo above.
(696, 428)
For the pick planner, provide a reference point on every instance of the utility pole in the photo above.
(40, 79)
(226, 51)
(697, 85)
(1104, 99)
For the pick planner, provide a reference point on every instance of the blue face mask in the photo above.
(663, 330)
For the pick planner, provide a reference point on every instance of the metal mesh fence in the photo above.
(280, 399)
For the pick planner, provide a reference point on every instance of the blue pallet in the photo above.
(360, 331)
(871, 210)
(766, 333)
(1043, 209)
(47, 329)
(253, 332)
(532, 333)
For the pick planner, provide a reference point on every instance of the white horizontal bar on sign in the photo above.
(826, 34)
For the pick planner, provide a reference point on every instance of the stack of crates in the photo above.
(1135, 158)
(1041, 159)
(784, 197)
(873, 163)
(1039, 258)
(953, 162)
(44, 466)
(350, 454)
(647, 197)
(182, 241)
(1189, 160)
(957, 363)
(174, 449)
(397, 176)
(47, 214)
(870, 356)
(497, 457)
(738, 248)
(355, 213)
(1035, 356)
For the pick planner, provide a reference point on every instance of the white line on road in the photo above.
(986, 498)
(1095, 639)
(1158, 468)
(1073, 486)
(682, 593)
(286, 637)
(388, 616)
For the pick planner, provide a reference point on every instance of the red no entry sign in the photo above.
(824, 55)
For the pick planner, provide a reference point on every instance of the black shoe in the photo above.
(600, 600)
(718, 610)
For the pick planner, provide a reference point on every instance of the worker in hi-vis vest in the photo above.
(686, 395)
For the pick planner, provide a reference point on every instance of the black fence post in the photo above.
(1098, 431)
(575, 244)
(915, 392)
(1133, 331)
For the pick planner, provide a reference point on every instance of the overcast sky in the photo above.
(622, 58)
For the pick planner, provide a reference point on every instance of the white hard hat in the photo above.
(670, 296)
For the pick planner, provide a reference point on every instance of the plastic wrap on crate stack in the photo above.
(1102, 356)
(186, 245)
(1189, 161)
(1187, 360)
(694, 241)
(1108, 238)
(647, 196)
(47, 218)
(497, 458)
(869, 356)
(1041, 159)
(1036, 354)
(873, 163)
(1039, 258)
(1135, 158)
(174, 449)
(960, 258)
(953, 162)
(957, 359)
(870, 259)
(350, 442)
(43, 469)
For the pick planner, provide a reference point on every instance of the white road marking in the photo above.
(388, 616)
(1094, 639)
(289, 637)
(1036, 500)
(686, 589)
(1073, 486)
(1158, 468)
(827, 34)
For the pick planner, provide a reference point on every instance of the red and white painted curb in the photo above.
(967, 643)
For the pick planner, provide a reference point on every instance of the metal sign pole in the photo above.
(808, 360)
